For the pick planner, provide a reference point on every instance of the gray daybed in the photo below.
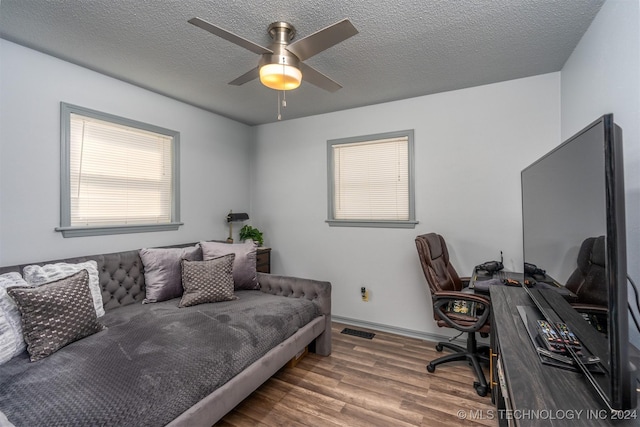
(157, 364)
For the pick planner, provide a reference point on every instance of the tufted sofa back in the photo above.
(121, 275)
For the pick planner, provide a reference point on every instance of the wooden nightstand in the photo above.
(263, 260)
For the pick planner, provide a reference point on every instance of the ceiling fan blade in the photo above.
(246, 77)
(315, 77)
(323, 39)
(229, 36)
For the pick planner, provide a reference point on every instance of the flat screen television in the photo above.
(571, 194)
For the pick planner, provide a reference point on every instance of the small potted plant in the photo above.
(249, 232)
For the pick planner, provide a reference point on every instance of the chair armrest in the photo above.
(444, 298)
(463, 296)
(590, 308)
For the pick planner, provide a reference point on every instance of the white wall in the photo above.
(470, 147)
(603, 76)
(215, 155)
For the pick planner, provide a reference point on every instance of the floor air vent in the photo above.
(357, 333)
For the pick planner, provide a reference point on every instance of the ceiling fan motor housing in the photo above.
(281, 33)
(280, 70)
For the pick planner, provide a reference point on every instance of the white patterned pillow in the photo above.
(4, 421)
(38, 275)
(11, 341)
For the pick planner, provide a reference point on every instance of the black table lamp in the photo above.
(235, 217)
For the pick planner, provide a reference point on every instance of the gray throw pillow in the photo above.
(244, 266)
(162, 271)
(207, 281)
(56, 314)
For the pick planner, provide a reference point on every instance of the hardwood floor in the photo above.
(378, 382)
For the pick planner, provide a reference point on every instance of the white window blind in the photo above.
(119, 175)
(371, 180)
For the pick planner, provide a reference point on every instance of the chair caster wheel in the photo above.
(482, 390)
(439, 347)
(431, 368)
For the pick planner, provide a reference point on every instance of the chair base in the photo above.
(472, 354)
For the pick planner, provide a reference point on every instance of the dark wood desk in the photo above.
(546, 283)
(527, 392)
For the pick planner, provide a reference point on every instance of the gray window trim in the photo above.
(65, 176)
(332, 221)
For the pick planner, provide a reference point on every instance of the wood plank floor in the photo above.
(378, 382)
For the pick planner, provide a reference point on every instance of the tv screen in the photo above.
(574, 229)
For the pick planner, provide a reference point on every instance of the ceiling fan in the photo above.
(281, 65)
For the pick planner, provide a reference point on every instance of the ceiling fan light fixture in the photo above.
(280, 76)
(281, 63)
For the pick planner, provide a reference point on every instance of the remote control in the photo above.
(549, 337)
(568, 337)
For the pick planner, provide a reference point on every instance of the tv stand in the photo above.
(526, 391)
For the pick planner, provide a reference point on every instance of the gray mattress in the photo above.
(153, 362)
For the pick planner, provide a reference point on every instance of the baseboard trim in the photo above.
(396, 330)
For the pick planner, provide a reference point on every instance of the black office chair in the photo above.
(588, 282)
(465, 312)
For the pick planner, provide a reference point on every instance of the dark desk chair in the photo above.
(588, 282)
(449, 307)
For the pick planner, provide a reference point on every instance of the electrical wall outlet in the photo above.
(365, 294)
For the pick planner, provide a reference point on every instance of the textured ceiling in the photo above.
(404, 49)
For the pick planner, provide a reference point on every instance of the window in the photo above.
(371, 181)
(118, 175)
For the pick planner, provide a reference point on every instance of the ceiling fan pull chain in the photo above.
(279, 115)
(284, 92)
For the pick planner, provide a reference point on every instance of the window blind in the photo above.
(371, 180)
(119, 175)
